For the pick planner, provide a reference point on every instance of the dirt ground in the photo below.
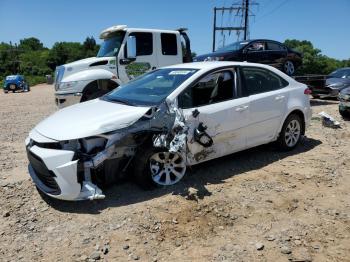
(257, 205)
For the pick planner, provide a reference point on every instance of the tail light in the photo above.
(307, 91)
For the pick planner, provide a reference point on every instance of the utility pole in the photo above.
(237, 10)
(246, 17)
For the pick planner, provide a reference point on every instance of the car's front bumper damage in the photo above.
(73, 170)
(55, 173)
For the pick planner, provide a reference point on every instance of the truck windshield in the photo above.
(150, 89)
(111, 45)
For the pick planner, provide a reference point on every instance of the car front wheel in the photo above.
(157, 167)
(291, 132)
(289, 68)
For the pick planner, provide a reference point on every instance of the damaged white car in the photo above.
(158, 124)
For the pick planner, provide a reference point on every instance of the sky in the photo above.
(325, 23)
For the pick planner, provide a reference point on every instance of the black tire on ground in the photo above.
(141, 164)
(282, 139)
(344, 113)
(289, 68)
(13, 91)
(5, 91)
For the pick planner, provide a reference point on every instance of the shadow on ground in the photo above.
(324, 101)
(211, 172)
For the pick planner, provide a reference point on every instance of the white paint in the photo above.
(89, 119)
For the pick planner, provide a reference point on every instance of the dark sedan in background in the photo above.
(327, 86)
(262, 51)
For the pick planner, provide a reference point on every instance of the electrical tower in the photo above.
(238, 20)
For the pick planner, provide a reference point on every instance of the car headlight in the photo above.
(337, 85)
(65, 85)
(214, 58)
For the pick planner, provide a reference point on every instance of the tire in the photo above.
(5, 91)
(291, 133)
(344, 113)
(155, 167)
(289, 68)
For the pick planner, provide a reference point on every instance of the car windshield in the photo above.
(340, 73)
(233, 47)
(151, 88)
(110, 46)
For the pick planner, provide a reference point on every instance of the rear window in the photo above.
(169, 44)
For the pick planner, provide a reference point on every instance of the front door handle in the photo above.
(279, 97)
(240, 109)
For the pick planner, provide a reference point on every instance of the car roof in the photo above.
(215, 64)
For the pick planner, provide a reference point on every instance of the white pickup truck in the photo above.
(124, 54)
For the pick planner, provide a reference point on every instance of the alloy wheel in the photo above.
(289, 68)
(167, 168)
(292, 133)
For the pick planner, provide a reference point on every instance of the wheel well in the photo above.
(101, 86)
(302, 117)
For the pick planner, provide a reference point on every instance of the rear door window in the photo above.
(273, 46)
(260, 80)
(169, 44)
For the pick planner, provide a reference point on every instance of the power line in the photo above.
(273, 10)
(238, 9)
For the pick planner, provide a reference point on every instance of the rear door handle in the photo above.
(279, 97)
(240, 109)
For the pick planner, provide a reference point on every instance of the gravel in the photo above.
(256, 205)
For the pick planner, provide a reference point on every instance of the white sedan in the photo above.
(162, 122)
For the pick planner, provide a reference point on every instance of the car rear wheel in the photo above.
(289, 68)
(291, 132)
(344, 113)
(155, 167)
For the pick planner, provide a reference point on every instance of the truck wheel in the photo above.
(289, 68)
(154, 167)
(291, 133)
(5, 91)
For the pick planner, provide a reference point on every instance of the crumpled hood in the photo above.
(89, 119)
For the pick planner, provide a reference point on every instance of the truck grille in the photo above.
(58, 76)
(45, 175)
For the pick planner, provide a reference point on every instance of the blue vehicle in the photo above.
(14, 83)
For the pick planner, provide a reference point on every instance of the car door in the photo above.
(268, 95)
(215, 113)
(146, 57)
(169, 50)
(276, 54)
(256, 52)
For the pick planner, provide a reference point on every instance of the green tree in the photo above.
(30, 44)
(314, 62)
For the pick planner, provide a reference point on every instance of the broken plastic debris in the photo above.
(329, 121)
(91, 192)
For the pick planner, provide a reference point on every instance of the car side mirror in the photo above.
(131, 45)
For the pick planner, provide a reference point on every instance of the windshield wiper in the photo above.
(117, 100)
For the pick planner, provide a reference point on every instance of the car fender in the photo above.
(289, 111)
